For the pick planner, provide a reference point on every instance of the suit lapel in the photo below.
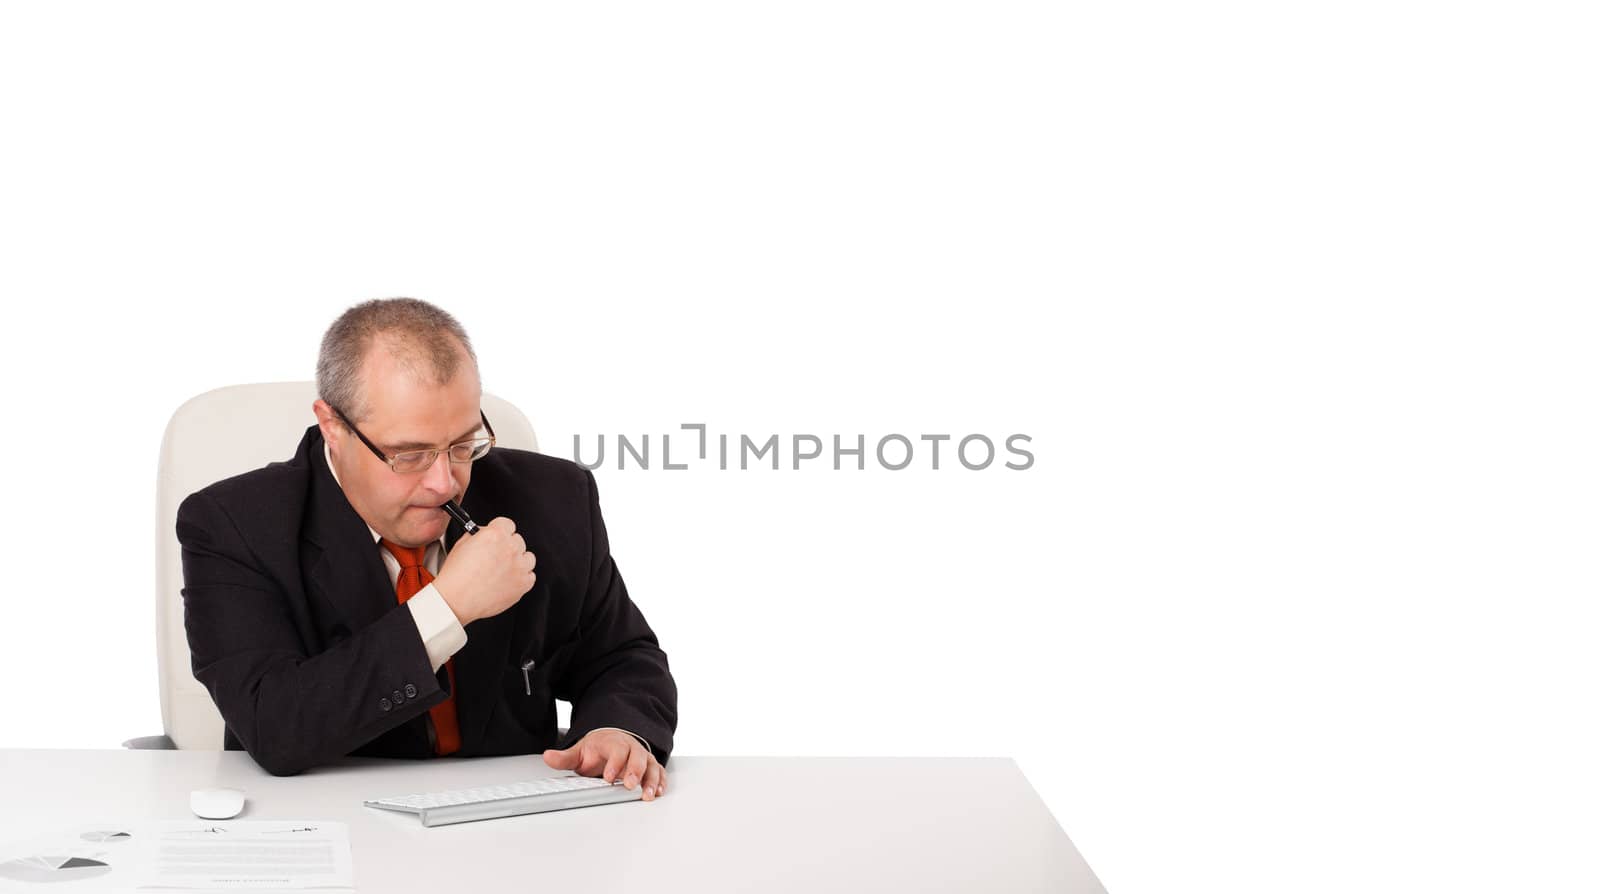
(343, 569)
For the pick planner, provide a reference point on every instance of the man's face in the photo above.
(405, 414)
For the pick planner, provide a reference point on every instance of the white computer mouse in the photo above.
(216, 803)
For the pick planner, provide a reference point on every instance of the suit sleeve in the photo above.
(618, 676)
(289, 709)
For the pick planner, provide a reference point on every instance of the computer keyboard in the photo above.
(511, 799)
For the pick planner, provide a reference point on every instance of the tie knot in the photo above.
(408, 556)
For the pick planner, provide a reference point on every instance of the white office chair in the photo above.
(214, 436)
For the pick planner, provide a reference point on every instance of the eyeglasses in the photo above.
(414, 461)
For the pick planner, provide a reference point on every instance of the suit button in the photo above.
(411, 691)
(383, 704)
(398, 698)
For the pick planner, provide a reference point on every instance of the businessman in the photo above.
(333, 607)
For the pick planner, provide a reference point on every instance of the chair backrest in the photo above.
(214, 436)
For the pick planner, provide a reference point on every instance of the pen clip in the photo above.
(527, 683)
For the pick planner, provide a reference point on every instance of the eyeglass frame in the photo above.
(431, 460)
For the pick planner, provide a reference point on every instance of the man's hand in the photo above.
(612, 754)
(487, 572)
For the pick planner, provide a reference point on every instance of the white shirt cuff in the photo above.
(635, 735)
(442, 634)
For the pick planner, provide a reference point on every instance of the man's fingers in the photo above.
(560, 760)
(614, 758)
(593, 760)
(652, 779)
(638, 759)
(614, 765)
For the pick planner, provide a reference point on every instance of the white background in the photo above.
(1296, 302)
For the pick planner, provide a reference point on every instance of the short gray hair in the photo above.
(427, 341)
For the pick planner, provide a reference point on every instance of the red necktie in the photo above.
(413, 577)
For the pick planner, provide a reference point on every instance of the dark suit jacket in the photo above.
(294, 627)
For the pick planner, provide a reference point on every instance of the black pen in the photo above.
(460, 515)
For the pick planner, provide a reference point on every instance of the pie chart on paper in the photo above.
(52, 869)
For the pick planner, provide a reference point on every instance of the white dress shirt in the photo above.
(441, 632)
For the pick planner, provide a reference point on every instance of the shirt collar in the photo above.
(328, 455)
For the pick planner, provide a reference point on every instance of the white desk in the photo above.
(812, 825)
